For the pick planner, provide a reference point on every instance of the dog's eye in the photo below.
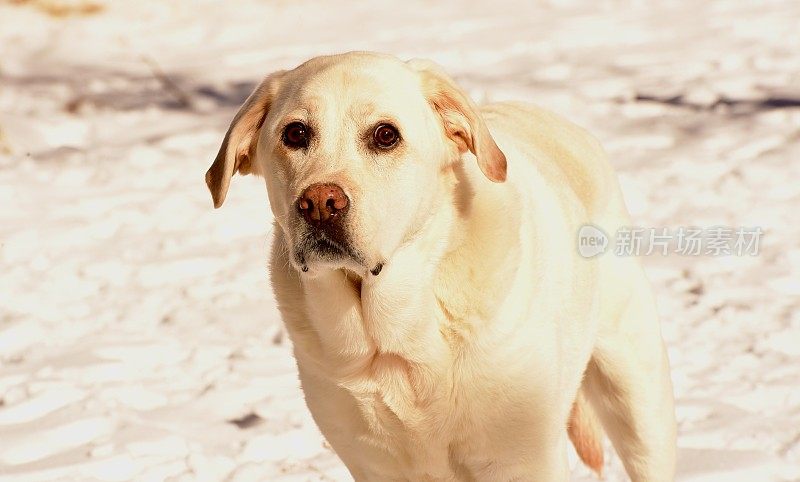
(385, 136)
(296, 135)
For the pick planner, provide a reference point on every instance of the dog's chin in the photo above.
(314, 257)
(318, 254)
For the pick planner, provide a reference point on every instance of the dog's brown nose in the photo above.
(322, 203)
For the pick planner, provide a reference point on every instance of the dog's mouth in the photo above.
(322, 248)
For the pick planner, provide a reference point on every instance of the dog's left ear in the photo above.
(239, 145)
(462, 121)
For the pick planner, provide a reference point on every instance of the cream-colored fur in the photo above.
(462, 358)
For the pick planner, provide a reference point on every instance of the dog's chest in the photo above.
(416, 410)
(401, 399)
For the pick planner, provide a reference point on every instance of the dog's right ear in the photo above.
(239, 145)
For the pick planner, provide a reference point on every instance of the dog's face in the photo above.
(354, 149)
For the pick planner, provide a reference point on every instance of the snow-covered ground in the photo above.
(138, 335)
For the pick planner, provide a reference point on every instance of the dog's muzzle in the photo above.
(323, 208)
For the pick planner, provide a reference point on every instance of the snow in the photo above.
(138, 336)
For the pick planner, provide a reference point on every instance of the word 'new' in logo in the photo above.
(591, 241)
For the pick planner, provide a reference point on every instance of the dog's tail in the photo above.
(586, 433)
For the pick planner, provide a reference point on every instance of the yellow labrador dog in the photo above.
(425, 264)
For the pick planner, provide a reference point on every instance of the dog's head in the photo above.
(353, 149)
